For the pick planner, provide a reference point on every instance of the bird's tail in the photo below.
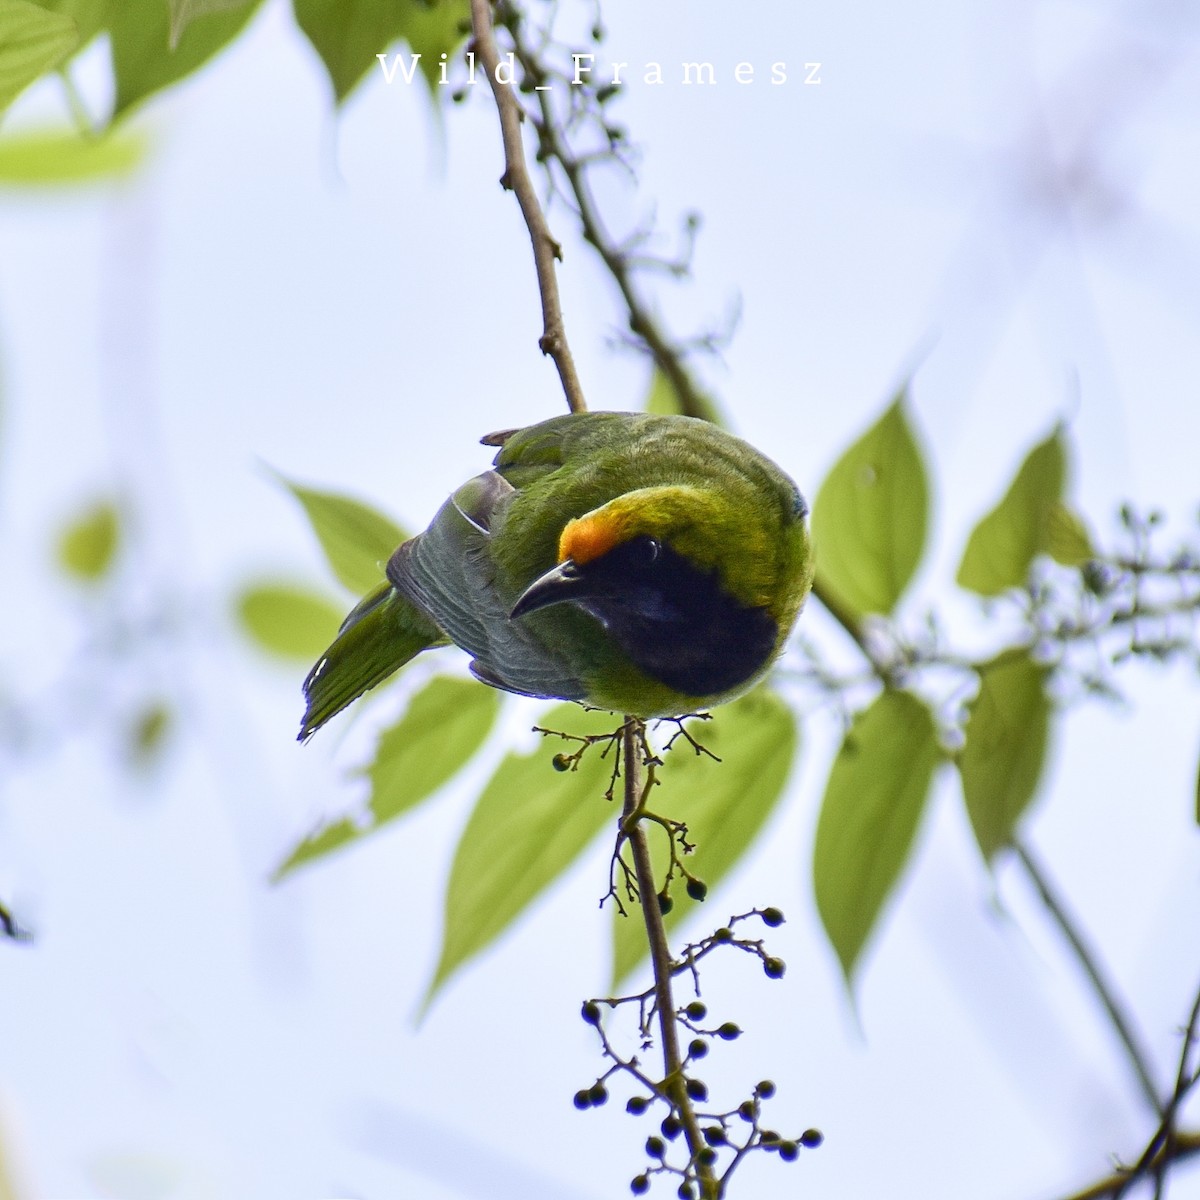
(380, 635)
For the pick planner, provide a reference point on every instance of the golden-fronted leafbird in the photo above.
(651, 565)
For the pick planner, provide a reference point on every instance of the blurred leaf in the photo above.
(873, 804)
(1066, 537)
(56, 157)
(444, 726)
(287, 620)
(349, 36)
(1001, 763)
(441, 730)
(143, 59)
(725, 804)
(184, 12)
(529, 825)
(357, 539)
(664, 400)
(148, 734)
(1031, 519)
(89, 17)
(870, 518)
(318, 844)
(88, 544)
(32, 41)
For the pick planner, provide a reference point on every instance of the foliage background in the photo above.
(1005, 196)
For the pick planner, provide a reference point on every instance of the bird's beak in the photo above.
(558, 585)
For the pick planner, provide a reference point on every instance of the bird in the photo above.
(651, 565)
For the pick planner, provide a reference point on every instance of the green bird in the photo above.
(651, 565)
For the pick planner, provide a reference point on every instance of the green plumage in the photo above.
(674, 589)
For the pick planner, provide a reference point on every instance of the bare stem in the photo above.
(642, 322)
(633, 737)
(1087, 959)
(1186, 1145)
(516, 178)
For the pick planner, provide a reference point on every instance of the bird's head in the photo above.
(657, 548)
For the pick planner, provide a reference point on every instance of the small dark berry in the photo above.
(774, 967)
(671, 1127)
(697, 1048)
(697, 889)
(639, 1185)
(746, 1110)
(765, 1089)
(655, 1147)
(597, 32)
(686, 1192)
(697, 1089)
(597, 1093)
(697, 1010)
(788, 1151)
(706, 1156)
(714, 1135)
(665, 903)
(590, 1012)
(811, 1138)
(458, 95)
(582, 1099)
(724, 934)
(728, 1032)
(636, 1105)
(772, 917)
(560, 762)
(769, 1137)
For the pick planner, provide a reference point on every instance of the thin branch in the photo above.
(516, 178)
(1187, 1145)
(1087, 959)
(633, 737)
(642, 321)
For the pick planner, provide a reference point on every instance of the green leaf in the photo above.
(1008, 725)
(441, 730)
(873, 804)
(287, 620)
(663, 399)
(87, 546)
(32, 41)
(319, 843)
(444, 726)
(870, 518)
(89, 16)
(348, 37)
(357, 539)
(725, 804)
(51, 158)
(1066, 537)
(184, 12)
(143, 58)
(529, 825)
(1030, 520)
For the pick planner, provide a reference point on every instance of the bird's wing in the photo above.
(449, 572)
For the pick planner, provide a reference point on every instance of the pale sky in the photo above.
(1002, 201)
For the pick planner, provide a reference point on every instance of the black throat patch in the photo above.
(675, 621)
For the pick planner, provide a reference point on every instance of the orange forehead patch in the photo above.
(587, 538)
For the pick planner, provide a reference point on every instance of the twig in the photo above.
(1187, 1145)
(673, 1084)
(516, 179)
(620, 266)
(1088, 961)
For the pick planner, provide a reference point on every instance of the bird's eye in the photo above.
(651, 550)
